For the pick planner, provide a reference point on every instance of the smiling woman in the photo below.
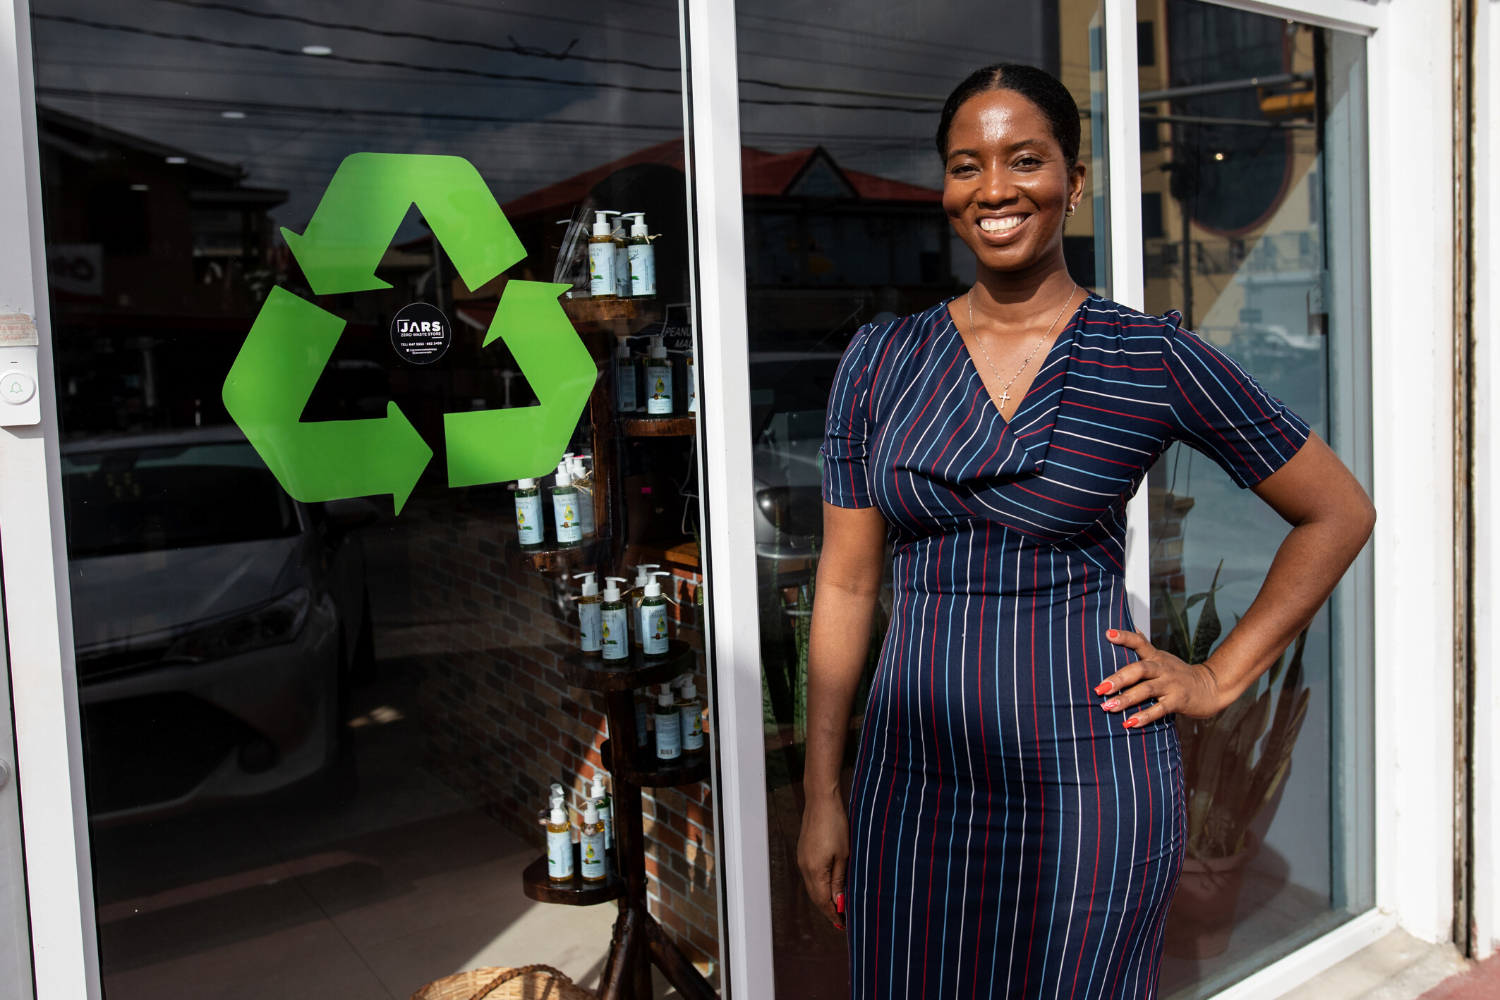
(1004, 836)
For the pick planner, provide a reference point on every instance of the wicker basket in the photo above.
(530, 982)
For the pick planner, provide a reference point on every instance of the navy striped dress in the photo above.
(1009, 839)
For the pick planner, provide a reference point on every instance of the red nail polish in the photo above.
(1132, 722)
(1104, 688)
(838, 902)
(1113, 634)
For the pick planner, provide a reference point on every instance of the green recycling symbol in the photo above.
(292, 339)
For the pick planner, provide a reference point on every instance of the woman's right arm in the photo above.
(849, 573)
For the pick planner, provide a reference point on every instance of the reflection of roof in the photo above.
(801, 173)
(180, 437)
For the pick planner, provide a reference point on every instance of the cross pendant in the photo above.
(1004, 398)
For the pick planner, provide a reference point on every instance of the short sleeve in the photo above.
(845, 450)
(1220, 410)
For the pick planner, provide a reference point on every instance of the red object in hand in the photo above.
(838, 902)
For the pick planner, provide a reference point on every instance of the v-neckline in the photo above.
(1025, 398)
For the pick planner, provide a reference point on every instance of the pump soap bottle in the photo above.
(613, 614)
(565, 509)
(589, 618)
(658, 380)
(690, 714)
(642, 257)
(654, 618)
(637, 595)
(602, 258)
(559, 845)
(606, 812)
(530, 531)
(668, 727)
(583, 482)
(622, 264)
(625, 372)
(591, 844)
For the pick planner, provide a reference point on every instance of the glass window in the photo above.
(1255, 192)
(844, 226)
(325, 283)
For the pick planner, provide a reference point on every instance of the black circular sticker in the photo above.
(420, 333)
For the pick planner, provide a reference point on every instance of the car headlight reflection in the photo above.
(272, 624)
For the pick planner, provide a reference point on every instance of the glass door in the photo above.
(1253, 204)
(375, 340)
(844, 227)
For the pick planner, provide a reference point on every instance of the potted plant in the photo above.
(1234, 763)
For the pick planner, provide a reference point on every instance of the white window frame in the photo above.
(1412, 267)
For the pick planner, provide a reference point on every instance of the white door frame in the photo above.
(1411, 270)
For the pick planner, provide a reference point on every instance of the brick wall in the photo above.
(501, 724)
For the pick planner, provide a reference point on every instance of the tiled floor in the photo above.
(365, 885)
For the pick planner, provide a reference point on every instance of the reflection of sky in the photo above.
(303, 114)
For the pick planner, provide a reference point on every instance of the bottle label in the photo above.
(565, 511)
(589, 625)
(692, 727)
(559, 854)
(654, 629)
(622, 271)
(601, 269)
(668, 735)
(642, 731)
(625, 384)
(607, 817)
(591, 847)
(642, 269)
(529, 529)
(613, 638)
(658, 389)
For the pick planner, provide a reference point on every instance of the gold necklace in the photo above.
(1005, 392)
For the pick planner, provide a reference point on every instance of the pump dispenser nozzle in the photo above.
(611, 592)
(590, 585)
(602, 225)
(638, 227)
(658, 349)
(643, 573)
(653, 588)
(563, 476)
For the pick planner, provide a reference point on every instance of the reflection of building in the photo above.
(155, 245)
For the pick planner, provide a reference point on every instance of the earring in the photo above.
(1072, 209)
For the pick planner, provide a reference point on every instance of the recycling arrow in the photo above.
(269, 384)
(292, 339)
(366, 200)
(525, 442)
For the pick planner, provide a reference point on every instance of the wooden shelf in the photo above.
(595, 673)
(644, 768)
(552, 560)
(582, 310)
(642, 427)
(575, 891)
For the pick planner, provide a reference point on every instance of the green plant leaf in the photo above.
(1209, 626)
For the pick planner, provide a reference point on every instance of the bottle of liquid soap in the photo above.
(559, 845)
(606, 811)
(614, 613)
(565, 509)
(530, 531)
(622, 263)
(591, 844)
(637, 595)
(602, 258)
(658, 380)
(583, 482)
(668, 727)
(625, 378)
(590, 621)
(654, 618)
(690, 716)
(642, 257)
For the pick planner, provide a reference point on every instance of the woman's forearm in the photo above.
(836, 655)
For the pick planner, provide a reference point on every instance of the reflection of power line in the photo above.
(353, 60)
(514, 48)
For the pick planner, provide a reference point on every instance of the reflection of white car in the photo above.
(217, 622)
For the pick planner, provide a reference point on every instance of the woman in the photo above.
(1015, 826)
